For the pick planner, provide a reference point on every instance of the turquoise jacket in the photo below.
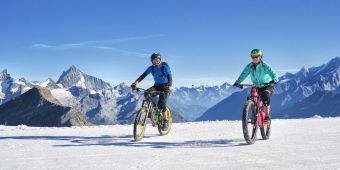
(261, 75)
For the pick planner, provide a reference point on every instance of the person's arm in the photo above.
(272, 73)
(170, 80)
(245, 73)
(169, 76)
(141, 77)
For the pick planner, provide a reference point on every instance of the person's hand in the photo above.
(272, 83)
(238, 85)
(134, 85)
(169, 88)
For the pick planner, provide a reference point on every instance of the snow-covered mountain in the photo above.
(103, 104)
(194, 101)
(322, 103)
(50, 84)
(73, 76)
(11, 88)
(291, 89)
(96, 99)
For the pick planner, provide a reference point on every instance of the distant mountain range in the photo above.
(310, 91)
(194, 101)
(296, 96)
(102, 103)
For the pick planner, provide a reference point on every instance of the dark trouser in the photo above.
(265, 94)
(162, 96)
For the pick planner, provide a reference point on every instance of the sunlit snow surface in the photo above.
(294, 144)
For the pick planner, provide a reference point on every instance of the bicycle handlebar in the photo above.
(141, 89)
(251, 85)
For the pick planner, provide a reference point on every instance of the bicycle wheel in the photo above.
(140, 124)
(265, 131)
(160, 124)
(249, 122)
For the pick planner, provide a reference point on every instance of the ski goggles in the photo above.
(255, 56)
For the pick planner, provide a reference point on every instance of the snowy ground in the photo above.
(294, 144)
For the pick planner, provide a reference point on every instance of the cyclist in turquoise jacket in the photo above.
(261, 73)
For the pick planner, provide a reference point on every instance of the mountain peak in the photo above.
(70, 77)
(73, 69)
(303, 72)
(4, 75)
(334, 62)
(23, 79)
(50, 84)
(225, 85)
(75, 77)
(123, 88)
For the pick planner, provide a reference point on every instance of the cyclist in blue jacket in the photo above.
(260, 73)
(163, 82)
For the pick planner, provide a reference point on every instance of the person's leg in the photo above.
(267, 110)
(147, 92)
(150, 91)
(265, 96)
(162, 104)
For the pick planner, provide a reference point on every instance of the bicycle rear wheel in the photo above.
(265, 131)
(160, 124)
(249, 122)
(140, 124)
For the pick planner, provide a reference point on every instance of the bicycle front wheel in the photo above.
(160, 124)
(140, 124)
(249, 122)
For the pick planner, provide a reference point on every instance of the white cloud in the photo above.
(103, 47)
(41, 46)
(97, 43)
(102, 44)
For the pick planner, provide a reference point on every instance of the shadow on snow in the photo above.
(126, 141)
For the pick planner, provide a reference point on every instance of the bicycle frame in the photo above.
(255, 97)
(149, 105)
(259, 109)
(150, 110)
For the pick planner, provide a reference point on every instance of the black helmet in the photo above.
(155, 55)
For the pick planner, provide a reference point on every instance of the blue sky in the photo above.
(206, 42)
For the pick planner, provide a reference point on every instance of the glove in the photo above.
(134, 86)
(272, 83)
(168, 88)
(238, 85)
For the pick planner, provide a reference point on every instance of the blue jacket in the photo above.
(261, 75)
(158, 74)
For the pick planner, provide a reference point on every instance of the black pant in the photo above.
(162, 96)
(265, 94)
